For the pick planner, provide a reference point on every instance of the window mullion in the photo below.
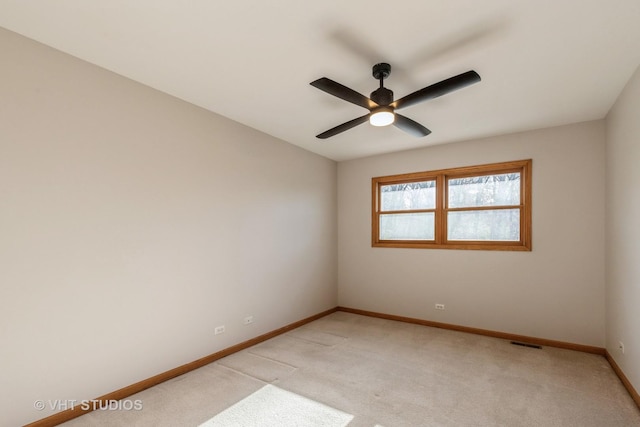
(441, 220)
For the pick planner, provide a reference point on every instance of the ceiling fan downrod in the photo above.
(382, 96)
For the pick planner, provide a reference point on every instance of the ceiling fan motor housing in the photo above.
(382, 96)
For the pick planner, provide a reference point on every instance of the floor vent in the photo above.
(524, 344)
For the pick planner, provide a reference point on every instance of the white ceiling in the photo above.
(543, 62)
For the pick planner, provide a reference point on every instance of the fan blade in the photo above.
(438, 89)
(409, 126)
(343, 92)
(345, 126)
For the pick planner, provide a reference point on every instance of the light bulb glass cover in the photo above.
(382, 116)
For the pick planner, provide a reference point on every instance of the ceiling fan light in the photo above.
(382, 117)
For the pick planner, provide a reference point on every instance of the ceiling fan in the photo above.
(382, 108)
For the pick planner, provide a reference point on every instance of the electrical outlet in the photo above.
(219, 330)
(621, 346)
(248, 320)
(439, 306)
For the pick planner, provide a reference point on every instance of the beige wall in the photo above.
(132, 224)
(554, 292)
(623, 230)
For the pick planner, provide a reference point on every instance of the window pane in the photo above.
(413, 226)
(487, 190)
(409, 196)
(498, 225)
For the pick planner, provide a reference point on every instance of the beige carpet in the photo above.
(393, 374)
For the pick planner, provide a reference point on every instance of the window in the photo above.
(477, 207)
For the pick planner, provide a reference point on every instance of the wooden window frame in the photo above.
(441, 177)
